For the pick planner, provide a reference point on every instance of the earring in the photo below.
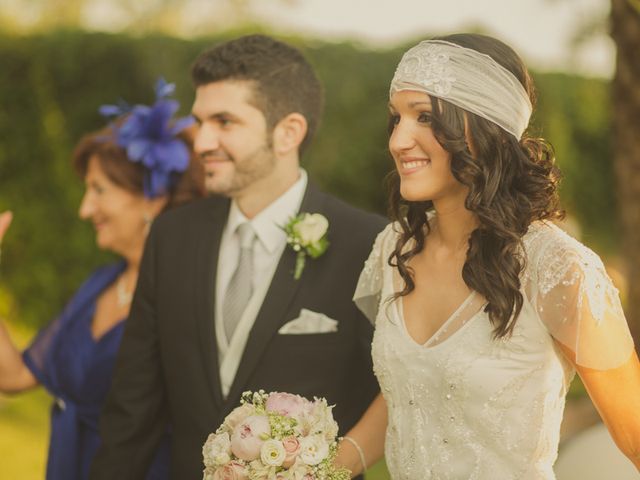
(146, 218)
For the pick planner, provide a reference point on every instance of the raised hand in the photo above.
(5, 221)
(14, 374)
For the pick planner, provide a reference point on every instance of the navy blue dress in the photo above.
(76, 370)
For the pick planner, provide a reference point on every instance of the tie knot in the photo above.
(245, 234)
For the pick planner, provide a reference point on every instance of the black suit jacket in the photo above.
(167, 367)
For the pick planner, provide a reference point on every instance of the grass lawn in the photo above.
(24, 427)
(378, 472)
(24, 433)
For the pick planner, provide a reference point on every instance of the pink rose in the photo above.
(286, 404)
(230, 471)
(248, 437)
(292, 448)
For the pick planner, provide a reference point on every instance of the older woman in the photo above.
(133, 170)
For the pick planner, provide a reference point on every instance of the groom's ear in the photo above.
(289, 133)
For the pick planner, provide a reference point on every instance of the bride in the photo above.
(483, 308)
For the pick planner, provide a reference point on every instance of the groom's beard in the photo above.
(233, 175)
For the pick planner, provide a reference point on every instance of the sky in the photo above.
(540, 30)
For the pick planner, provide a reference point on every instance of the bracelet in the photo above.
(359, 450)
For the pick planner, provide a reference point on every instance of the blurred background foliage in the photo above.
(52, 84)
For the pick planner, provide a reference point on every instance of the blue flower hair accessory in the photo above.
(149, 137)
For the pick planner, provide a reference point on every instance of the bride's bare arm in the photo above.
(368, 434)
(616, 395)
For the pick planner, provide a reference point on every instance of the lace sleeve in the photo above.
(369, 289)
(579, 304)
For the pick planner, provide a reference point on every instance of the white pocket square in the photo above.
(309, 322)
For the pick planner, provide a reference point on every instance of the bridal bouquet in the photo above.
(274, 436)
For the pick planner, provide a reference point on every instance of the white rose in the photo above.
(311, 228)
(217, 450)
(313, 449)
(273, 453)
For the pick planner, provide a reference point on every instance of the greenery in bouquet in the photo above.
(277, 436)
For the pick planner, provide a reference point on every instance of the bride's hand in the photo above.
(5, 221)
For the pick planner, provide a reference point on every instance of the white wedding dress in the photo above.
(464, 406)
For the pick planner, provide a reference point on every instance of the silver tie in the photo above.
(240, 287)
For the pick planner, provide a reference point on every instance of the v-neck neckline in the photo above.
(98, 340)
(443, 326)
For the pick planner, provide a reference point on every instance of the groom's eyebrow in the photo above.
(224, 115)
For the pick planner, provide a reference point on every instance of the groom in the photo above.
(217, 309)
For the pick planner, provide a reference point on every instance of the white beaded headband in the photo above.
(468, 79)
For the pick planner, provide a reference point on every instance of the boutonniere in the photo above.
(307, 235)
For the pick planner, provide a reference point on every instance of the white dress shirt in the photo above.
(270, 242)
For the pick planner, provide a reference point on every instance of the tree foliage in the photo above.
(625, 30)
(52, 85)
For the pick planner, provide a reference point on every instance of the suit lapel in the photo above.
(206, 266)
(279, 296)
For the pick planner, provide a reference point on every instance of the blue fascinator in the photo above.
(149, 137)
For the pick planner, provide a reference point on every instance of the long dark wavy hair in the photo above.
(511, 183)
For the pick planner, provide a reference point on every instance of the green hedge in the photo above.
(51, 86)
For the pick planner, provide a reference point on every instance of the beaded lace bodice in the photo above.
(466, 406)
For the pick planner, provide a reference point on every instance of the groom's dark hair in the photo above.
(283, 81)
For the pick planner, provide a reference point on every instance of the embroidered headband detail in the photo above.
(468, 79)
